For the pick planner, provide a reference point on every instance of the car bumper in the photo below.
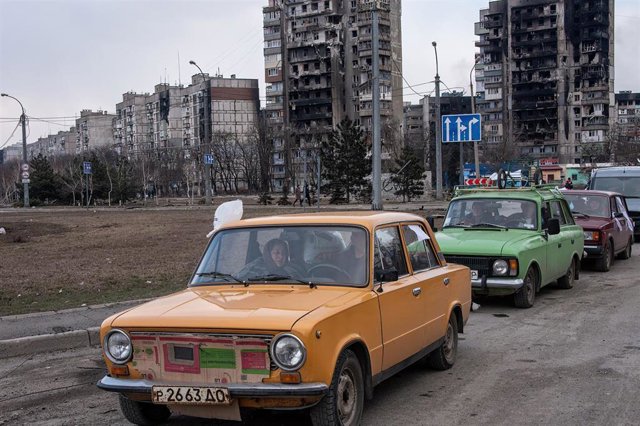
(497, 283)
(236, 390)
(593, 251)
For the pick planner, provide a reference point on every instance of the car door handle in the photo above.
(416, 291)
(446, 281)
(573, 241)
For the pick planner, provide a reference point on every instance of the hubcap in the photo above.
(530, 287)
(449, 344)
(346, 397)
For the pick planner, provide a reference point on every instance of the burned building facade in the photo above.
(545, 79)
(318, 70)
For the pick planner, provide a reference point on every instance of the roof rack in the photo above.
(460, 189)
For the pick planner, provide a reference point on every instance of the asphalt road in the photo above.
(572, 359)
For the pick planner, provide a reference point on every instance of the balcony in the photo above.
(493, 23)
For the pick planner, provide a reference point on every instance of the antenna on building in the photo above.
(179, 77)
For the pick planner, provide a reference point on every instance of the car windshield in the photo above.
(628, 186)
(590, 205)
(314, 255)
(494, 213)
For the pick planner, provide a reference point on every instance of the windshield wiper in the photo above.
(216, 274)
(456, 226)
(580, 213)
(488, 225)
(275, 277)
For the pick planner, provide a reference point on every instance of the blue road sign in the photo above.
(86, 167)
(208, 159)
(461, 128)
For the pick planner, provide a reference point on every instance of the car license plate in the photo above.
(191, 395)
(474, 275)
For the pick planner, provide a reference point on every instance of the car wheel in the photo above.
(444, 357)
(344, 403)
(604, 263)
(627, 251)
(566, 281)
(525, 297)
(143, 413)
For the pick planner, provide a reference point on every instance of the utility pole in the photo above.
(25, 163)
(207, 132)
(438, 131)
(476, 156)
(376, 156)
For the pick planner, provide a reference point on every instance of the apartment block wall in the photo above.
(94, 130)
(546, 80)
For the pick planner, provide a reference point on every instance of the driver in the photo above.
(354, 259)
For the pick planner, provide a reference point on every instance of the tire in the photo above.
(344, 403)
(444, 357)
(143, 413)
(502, 179)
(626, 254)
(526, 296)
(604, 263)
(566, 281)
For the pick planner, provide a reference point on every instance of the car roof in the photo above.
(368, 219)
(617, 171)
(535, 193)
(591, 192)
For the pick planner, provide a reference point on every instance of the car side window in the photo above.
(388, 251)
(418, 246)
(556, 212)
(567, 213)
(621, 207)
(614, 206)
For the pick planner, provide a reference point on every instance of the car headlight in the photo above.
(288, 352)
(591, 235)
(500, 267)
(117, 346)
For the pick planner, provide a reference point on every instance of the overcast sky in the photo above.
(59, 57)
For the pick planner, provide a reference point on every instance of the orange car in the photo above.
(298, 311)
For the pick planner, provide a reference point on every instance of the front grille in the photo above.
(480, 264)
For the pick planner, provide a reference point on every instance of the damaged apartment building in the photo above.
(318, 70)
(545, 76)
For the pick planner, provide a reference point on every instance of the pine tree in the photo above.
(344, 164)
(45, 183)
(408, 176)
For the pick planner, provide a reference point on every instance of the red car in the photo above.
(608, 228)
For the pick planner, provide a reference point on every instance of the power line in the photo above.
(12, 133)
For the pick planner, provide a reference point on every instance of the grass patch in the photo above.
(107, 292)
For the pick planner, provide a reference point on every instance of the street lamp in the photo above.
(23, 120)
(476, 156)
(438, 131)
(207, 132)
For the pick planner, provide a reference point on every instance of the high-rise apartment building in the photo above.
(94, 130)
(545, 79)
(64, 142)
(172, 116)
(318, 70)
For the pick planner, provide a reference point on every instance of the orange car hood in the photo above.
(253, 308)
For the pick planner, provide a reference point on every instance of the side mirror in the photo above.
(387, 275)
(553, 226)
(432, 223)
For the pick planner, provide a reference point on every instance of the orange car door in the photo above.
(401, 305)
(430, 278)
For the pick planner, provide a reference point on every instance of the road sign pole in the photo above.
(376, 156)
(461, 178)
(438, 132)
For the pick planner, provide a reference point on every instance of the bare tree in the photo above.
(9, 176)
(623, 141)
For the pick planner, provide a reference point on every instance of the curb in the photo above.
(49, 342)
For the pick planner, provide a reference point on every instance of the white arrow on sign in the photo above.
(471, 123)
(448, 123)
(461, 128)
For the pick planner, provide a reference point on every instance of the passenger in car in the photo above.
(353, 259)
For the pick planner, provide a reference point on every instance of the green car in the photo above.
(515, 241)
